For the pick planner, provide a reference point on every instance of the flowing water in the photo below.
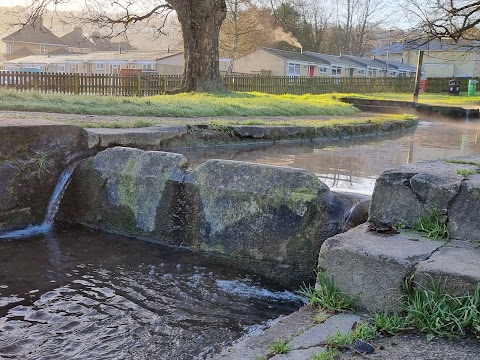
(52, 209)
(77, 294)
(354, 165)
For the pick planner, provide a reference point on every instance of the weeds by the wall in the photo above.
(433, 224)
(326, 295)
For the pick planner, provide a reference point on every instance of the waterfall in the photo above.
(52, 209)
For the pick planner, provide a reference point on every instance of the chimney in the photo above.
(301, 50)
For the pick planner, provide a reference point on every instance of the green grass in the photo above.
(329, 354)
(438, 313)
(391, 324)
(363, 331)
(466, 172)
(432, 224)
(280, 347)
(180, 105)
(326, 295)
(424, 98)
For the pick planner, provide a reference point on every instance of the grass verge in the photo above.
(424, 98)
(180, 105)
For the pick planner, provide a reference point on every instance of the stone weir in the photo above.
(269, 219)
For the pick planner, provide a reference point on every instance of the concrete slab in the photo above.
(311, 342)
(143, 138)
(457, 263)
(372, 267)
(257, 346)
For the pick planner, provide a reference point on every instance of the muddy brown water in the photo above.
(78, 294)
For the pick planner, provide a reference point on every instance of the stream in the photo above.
(72, 293)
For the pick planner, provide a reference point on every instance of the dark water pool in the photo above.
(76, 294)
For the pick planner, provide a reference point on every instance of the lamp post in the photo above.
(388, 51)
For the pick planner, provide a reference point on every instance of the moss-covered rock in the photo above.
(128, 191)
(273, 217)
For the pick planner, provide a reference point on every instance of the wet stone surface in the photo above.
(86, 295)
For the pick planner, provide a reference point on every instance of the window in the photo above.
(372, 73)
(131, 66)
(43, 49)
(402, 74)
(61, 68)
(336, 71)
(100, 66)
(361, 72)
(393, 74)
(147, 66)
(293, 69)
(322, 70)
(114, 69)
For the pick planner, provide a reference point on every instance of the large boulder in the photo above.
(131, 192)
(407, 192)
(33, 155)
(271, 217)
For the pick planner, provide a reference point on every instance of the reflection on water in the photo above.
(77, 294)
(355, 164)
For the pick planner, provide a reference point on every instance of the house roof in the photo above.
(369, 63)
(76, 39)
(421, 44)
(95, 57)
(19, 53)
(399, 65)
(332, 59)
(290, 55)
(34, 33)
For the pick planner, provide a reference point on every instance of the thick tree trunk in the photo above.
(201, 21)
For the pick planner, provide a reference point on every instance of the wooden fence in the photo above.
(147, 85)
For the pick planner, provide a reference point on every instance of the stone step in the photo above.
(372, 267)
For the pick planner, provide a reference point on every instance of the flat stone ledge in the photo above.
(371, 267)
(144, 138)
(457, 264)
(299, 329)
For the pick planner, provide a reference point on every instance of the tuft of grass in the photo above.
(329, 354)
(42, 163)
(466, 172)
(280, 347)
(463, 162)
(363, 331)
(432, 224)
(438, 313)
(391, 324)
(326, 295)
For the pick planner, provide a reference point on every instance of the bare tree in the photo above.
(454, 19)
(246, 28)
(200, 21)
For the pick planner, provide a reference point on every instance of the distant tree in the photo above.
(246, 28)
(454, 19)
(200, 22)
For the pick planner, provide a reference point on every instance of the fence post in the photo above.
(76, 84)
(139, 85)
(35, 81)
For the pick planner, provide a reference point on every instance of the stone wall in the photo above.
(31, 161)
